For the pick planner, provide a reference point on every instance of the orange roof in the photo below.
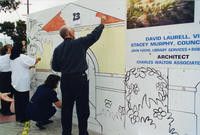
(54, 24)
(109, 19)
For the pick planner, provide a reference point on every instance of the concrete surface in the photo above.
(14, 128)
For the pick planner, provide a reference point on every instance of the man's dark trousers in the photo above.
(75, 89)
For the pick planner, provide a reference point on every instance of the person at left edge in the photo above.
(5, 78)
(20, 79)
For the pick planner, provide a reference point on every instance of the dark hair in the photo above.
(4, 50)
(51, 81)
(16, 51)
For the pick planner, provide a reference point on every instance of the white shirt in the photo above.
(20, 72)
(5, 63)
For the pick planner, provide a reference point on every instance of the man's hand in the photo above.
(5, 97)
(103, 20)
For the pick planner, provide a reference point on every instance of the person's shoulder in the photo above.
(23, 55)
(78, 41)
(6, 55)
(42, 88)
(60, 45)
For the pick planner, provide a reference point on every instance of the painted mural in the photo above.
(127, 92)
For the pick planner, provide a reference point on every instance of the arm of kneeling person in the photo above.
(58, 104)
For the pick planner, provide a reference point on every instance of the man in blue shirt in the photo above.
(69, 58)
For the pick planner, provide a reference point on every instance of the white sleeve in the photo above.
(4, 62)
(28, 61)
(1, 63)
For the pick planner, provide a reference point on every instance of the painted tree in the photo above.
(8, 5)
(146, 13)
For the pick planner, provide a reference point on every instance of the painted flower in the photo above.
(159, 113)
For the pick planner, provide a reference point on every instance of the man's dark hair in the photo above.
(51, 81)
(16, 51)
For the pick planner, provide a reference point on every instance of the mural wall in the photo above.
(162, 77)
(106, 58)
(144, 70)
